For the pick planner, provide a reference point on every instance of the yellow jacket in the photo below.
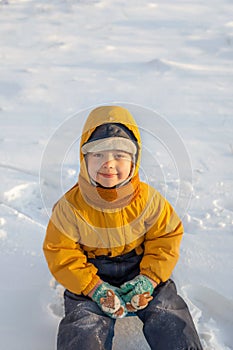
(89, 221)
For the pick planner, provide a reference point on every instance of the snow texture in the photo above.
(60, 57)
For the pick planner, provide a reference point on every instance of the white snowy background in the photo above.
(58, 57)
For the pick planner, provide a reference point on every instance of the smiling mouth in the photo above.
(108, 176)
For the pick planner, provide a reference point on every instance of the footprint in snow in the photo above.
(56, 306)
(213, 314)
(225, 205)
(223, 210)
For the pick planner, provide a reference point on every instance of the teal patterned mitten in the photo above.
(137, 293)
(109, 300)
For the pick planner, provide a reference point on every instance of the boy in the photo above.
(113, 242)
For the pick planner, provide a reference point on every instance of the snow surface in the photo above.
(60, 57)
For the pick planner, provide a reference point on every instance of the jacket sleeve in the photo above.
(65, 257)
(162, 242)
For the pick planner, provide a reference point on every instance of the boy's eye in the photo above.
(97, 155)
(121, 156)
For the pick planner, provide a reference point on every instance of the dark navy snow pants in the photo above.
(167, 322)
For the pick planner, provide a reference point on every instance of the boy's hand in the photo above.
(137, 292)
(109, 300)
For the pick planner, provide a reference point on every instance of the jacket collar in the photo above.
(109, 198)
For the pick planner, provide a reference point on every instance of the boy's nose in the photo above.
(108, 161)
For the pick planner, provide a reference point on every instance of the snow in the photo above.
(60, 58)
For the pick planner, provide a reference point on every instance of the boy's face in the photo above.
(109, 168)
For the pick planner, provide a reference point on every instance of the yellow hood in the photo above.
(104, 115)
